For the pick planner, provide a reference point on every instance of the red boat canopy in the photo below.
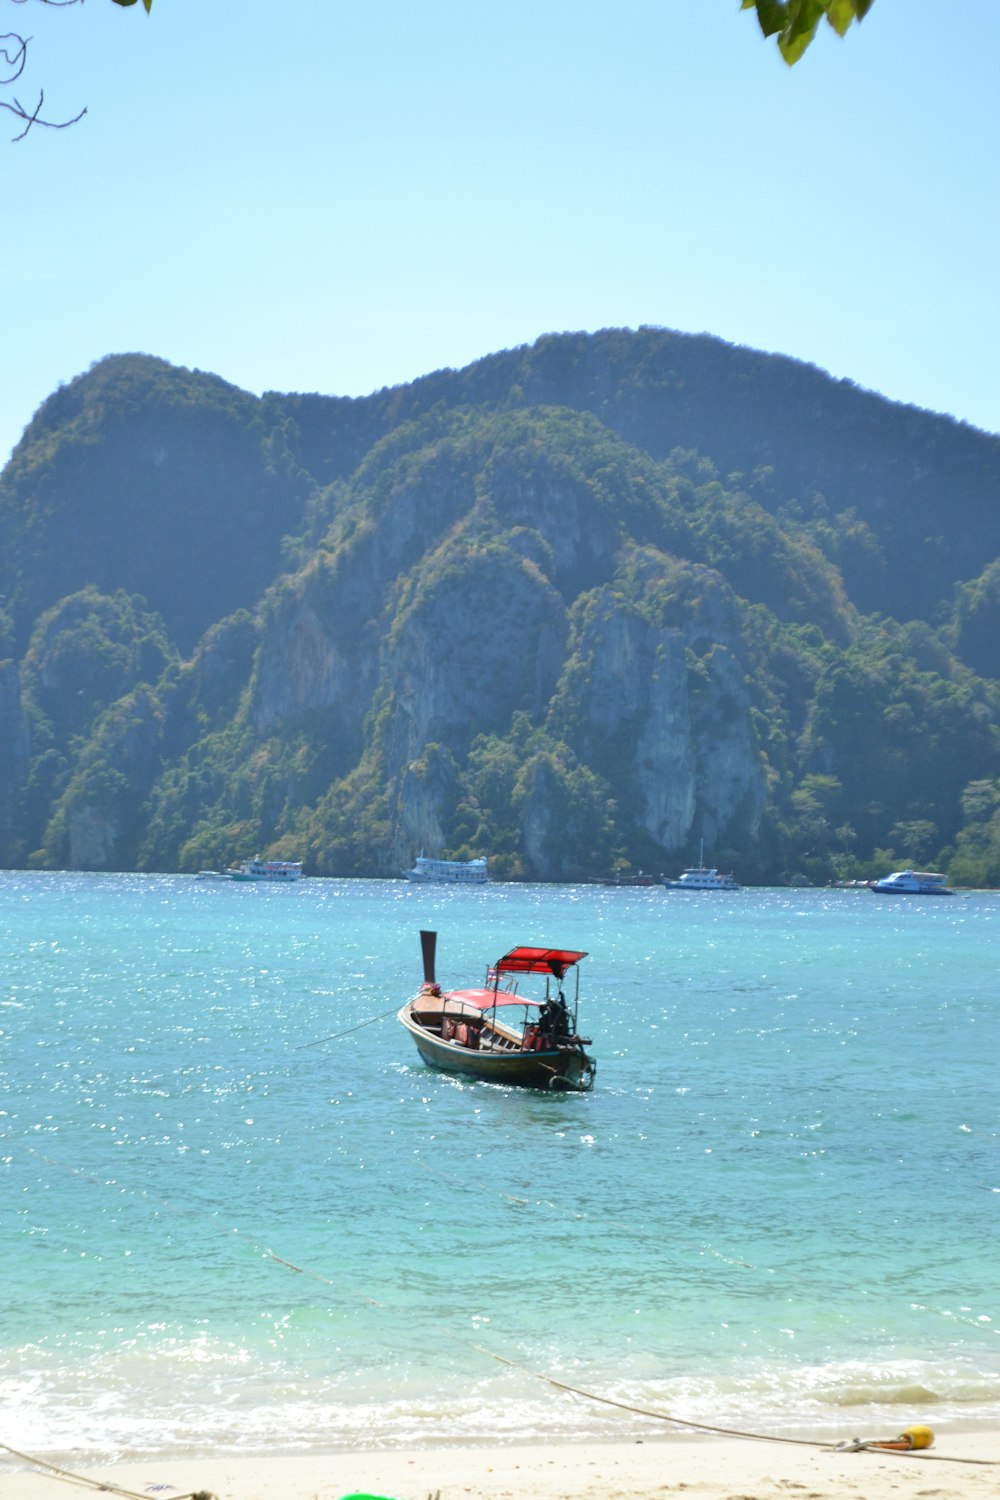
(538, 961)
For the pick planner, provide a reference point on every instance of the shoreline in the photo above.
(966, 1466)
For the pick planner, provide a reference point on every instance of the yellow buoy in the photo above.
(920, 1437)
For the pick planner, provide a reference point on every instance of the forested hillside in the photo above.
(578, 606)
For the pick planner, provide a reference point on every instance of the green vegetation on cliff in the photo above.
(578, 607)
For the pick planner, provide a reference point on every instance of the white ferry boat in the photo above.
(449, 871)
(266, 869)
(911, 883)
(701, 877)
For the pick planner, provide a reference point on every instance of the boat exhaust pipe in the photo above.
(428, 944)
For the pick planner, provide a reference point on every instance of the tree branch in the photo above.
(13, 57)
(34, 117)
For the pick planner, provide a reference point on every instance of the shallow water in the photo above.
(777, 1211)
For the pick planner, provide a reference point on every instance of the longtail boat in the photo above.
(497, 1033)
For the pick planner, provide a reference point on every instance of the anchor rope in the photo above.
(645, 1411)
(757, 1437)
(85, 1482)
(336, 1035)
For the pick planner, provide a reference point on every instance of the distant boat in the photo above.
(494, 1033)
(701, 877)
(450, 871)
(911, 883)
(281, 870)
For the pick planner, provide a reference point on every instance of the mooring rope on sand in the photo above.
(105, 1486)
(644, 1411)
(856, 1446)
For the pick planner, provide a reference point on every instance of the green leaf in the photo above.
(772, 15)
(805, 15)
(840, 14)
(793, 42)
(795, 22)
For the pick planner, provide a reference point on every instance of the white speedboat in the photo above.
(450, 871)
(911, 883)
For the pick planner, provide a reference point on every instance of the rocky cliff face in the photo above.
(452, 597)
(428, 788)
(15, 737)
(15, 751)
(659, 683)
(97, 824)
(478, 640)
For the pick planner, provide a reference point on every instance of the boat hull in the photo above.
(687, 885)
(890, 890)
(558, 1069)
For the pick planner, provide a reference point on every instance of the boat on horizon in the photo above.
(279, 870)
(911, 883)
(702, 877)
(495, 1033)
(450, 871)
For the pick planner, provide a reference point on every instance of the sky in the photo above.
(341, 195)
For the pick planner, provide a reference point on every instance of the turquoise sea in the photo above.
(778, 1211)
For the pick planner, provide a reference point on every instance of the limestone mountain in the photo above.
(579, 606)
(156, 480)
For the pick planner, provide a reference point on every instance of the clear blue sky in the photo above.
(336, 195)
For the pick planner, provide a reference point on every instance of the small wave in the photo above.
(907, 1395)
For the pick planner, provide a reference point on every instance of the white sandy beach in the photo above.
(966, 1466)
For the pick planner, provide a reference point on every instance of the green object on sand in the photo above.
(359, 1496)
